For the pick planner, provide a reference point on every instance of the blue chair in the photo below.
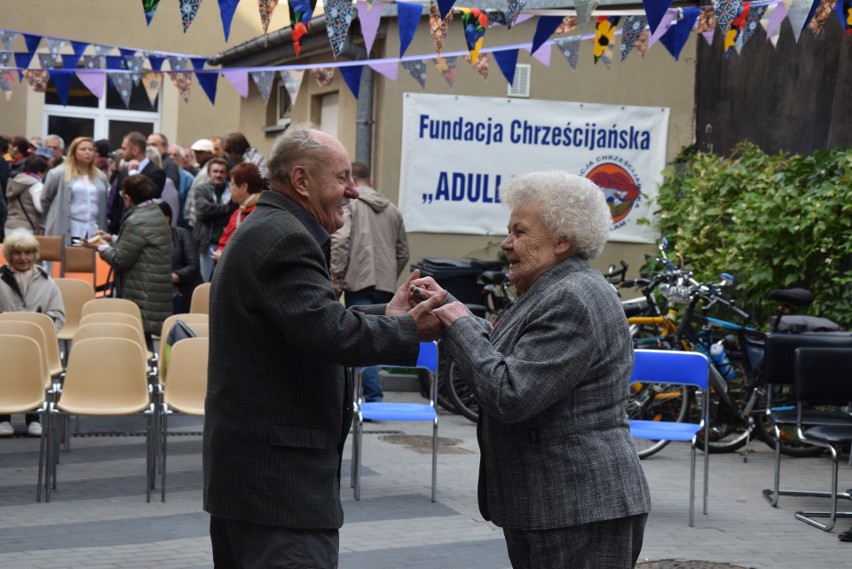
(386, 411)
(680, 368)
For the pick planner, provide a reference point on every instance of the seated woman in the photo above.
(26, 287)
(246, 185)
(186, 269)
(141, 254)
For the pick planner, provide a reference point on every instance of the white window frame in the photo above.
(102, 116)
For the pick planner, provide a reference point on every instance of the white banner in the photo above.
(456, 151)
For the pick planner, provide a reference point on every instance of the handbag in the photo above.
(180, 331)
(36, 229)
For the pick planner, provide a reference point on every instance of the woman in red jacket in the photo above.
(246, 185)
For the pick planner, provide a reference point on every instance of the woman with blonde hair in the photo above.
(75, 194)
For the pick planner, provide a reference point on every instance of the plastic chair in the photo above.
(778, 372)
(22, 385)
(34, 332)
(80, 260)
(50, 248)
(184, 393)
(112, 305)
(117, 318)
(198, 322)
(821, 376)
(200, 303)
(51, 344)
(680, 368)
(75, 293)
(105, 377)
(382, 411)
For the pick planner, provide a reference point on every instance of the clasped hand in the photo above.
(419, 297)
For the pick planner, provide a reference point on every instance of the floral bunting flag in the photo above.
(150, 6)
(338, 17)
(263, 81)
(188, 11)
(292, 81)
(178, 63)
(751, 23)
(707, 23)
(634, 34)
(568, 25)
(570, 48)
(300, 20)
(47, 60)
(8, 79)
(182, 80)
(37, 79)
(843, 8)
(474, 22)
(822, 14)
(481, 65)
(726, 11)
(152, 81)
(266, 7)
(134, 63)
(736, 28)
(447, 66)
(604, 38)
(417, 69)
(124, 85)
(513, 10)
(7, 39)
(438, 27)
(323, 76)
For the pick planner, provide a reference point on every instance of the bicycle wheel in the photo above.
(461, 395)
(444, 399)
(729, 431)
(656, 402)
(790, 443)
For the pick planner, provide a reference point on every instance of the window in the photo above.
(285, 105)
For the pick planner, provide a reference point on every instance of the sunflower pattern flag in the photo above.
(634, 34)
(604, 38)
(150, 6)
(438, 27)
(844, 12)
(474, 22)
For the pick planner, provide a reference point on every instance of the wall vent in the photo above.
(520, 87)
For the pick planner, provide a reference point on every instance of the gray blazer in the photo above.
(552, 384)
(56, 202)
(279, 406)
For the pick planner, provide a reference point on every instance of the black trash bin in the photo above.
(459, 276)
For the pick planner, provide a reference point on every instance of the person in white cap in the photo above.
(202, 152)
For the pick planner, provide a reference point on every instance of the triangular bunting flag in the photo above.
(5, 56)
(54, 46)
(408, 16)
(37, 79)
(605, 38)
(93, 62)
(150, 6)
(447, 66)
(706, 23)
(570, 48)
(178, 63)
(226, 13)
(182, 80)
(752, 22)
(507, 61)
(513, 10)
(32, 42)
(726, 11)
(239, 79)
(799, 14)
(70, 60)
(543, 55)
(156, 62)
(62, 81)
(655, 10)
(79, 47)
(323, 76)
(103, 49)
(352, 76)
(544, 29)
(338, 18)
(152, 82)
(438, 27)
(126, 52)
(7, 39)
(124, 85)
(266, 7)
(417, 69)
(584, 10)
(300, 20)
(114, 62)
(481, 66)
(134, 63)
(208, 81)
(772, 24)
(843, 9)
(47, 60)
(263, 81)
(95, 81)
(667, 20)
(292, 81)
(198, 63)
(675, 38)
(23, 58)
(8, 79)
(632, 33)
(369, 23)
(821, 13)
(188, 11)
(389, 69)
(735, 29)
(474, 22)
(444, 7)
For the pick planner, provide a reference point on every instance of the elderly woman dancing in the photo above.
(558, 472)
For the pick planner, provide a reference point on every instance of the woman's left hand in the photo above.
(451, 312)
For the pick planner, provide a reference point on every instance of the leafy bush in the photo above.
(775, 221)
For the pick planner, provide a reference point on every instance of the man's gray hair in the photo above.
(297, 144)
(55, 138)
(572, 207)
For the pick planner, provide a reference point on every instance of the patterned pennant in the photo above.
(93, 61)
(5, 56)
(736, 28)
(124, 85)
(263, 81)
(843, 9)
(798, 13)
(474, 22)
(182, 80)
(266, 7)
(604, 38)
(323, 77)
(152, 81)
(726, 11)
(7, 39)
(54, 46)
(178, 63)
(570, 48)
(513, 10)
(8, 80)
(584, 10)
(338, 17)
(292, 81)
(188, 11)
(134, 64)
(707, 23)
(47, 60)
(447, 66)
(821, 15)
(300, 20)
(496, 19)
(568, 25)
(751, 24)
(417, 69)
(632, 33)
(150, 6)
(481, 66)
(438, 27)
(103, 49)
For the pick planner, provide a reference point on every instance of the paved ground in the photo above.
(99, 519)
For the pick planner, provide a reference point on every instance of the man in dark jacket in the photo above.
(213, 207)
(133, 153)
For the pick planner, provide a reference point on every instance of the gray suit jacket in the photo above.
(278, 405)
(552, 384)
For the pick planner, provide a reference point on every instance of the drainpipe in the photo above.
(364, 114)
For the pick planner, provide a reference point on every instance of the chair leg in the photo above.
(774, 493)
(833, 514)
(434, 455)
(42, 450)
(692, 486)
(164, 433)
(354, 450)
(358, 442)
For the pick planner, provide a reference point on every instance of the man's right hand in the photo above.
(429, 327)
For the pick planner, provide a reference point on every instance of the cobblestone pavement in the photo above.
(98, 517)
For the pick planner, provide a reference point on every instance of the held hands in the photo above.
(428, 325)
(419, 297)
(451, 312)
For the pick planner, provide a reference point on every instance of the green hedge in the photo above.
(772, 221)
